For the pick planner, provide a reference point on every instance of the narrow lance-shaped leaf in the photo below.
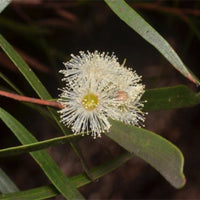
(46, 192)
(154, 149)
(137, 23)
(4, 4)
(11, 151)
(6, 184)
(47, 164)
(169, 98)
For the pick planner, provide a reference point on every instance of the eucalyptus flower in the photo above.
(98, 88)
(86, 106)
(128, 108)
(128, 93)
(100, 65)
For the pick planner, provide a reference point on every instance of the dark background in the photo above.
(47, 32)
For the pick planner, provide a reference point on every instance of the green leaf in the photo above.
(137, 23)
(4, 4)
(11, 151)
(45, 192)
(47, 164)
(6, 184)
(161, 154)
(169, 98)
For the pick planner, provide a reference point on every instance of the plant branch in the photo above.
(31, 100)
(157, 7)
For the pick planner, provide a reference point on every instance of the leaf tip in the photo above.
(180, 184)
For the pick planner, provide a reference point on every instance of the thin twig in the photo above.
(181, 12)
(31, 100)
(33, 62)
(67, 15)
(157, 7)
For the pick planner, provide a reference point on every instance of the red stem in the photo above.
(30, 100)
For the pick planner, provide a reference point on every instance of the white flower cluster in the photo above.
(98, 88)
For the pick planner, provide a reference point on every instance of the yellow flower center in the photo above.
(90, 101)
